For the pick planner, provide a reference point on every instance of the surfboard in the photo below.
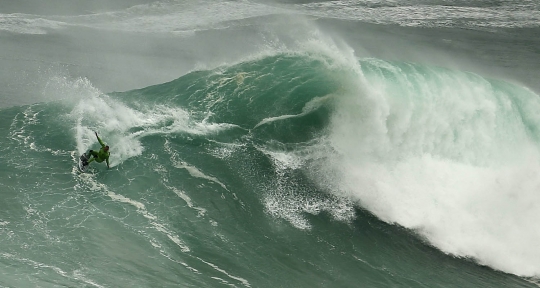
(83, 162)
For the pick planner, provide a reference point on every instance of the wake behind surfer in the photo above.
(102, 154)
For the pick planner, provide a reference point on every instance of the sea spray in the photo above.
(444, 153)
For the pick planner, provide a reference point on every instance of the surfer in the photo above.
(103, 153)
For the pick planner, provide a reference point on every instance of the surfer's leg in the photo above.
(91, 156)
(92, 153)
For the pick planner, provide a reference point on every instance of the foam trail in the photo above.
(140, 208)
(448, 155)
(193, 171)
(28, 24)
(311, 106)
(77, 275)
(241, 280)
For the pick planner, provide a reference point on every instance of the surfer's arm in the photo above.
(99, 140)
(108, 167)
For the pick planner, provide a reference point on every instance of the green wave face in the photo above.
(270, 153)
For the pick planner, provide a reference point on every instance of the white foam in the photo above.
(448, 157)
(241, 280)
(178, 17)
(28, 24)
(180, 193)
(192, 170)
(391, 12)
(76, 274)
(184, 18)
(120, 125)
(286, 200)
(309, 107)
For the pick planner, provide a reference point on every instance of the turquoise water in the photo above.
(306, 144)
(271, 173)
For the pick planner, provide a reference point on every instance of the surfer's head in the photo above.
(106, 148)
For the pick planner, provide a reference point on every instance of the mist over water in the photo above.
(306, 144)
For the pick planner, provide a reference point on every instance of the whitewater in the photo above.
(254, 144)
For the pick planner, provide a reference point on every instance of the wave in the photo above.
(450, 155)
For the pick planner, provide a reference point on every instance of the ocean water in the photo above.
(270, 144)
